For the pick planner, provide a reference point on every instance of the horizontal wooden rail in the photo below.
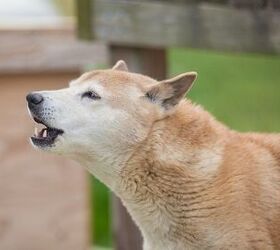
(46, 48)
(208, 26)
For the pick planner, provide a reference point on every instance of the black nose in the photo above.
(34, 98)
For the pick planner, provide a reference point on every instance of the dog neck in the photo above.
(180, 156)
(106, 168)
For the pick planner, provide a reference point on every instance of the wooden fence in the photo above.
(141, 31)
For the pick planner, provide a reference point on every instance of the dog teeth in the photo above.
(45, 133)
(36, 132)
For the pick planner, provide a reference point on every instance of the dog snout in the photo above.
(34, 99)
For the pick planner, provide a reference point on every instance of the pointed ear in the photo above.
(169, 93)
(120, 65)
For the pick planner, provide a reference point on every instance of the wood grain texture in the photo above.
(43, 198)
(47, 49)
(259, 4)
(208, 26)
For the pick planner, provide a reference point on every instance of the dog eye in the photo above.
(91, 95)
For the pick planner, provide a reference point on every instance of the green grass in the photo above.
(243, 91)
(101, 216)
(100, 248)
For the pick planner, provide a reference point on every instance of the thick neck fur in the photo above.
(195, 184)
(169, 172)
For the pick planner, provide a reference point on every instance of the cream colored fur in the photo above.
(188, 181)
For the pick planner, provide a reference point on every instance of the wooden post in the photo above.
(151, 62)
(84, 12)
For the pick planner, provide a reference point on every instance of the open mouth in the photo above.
(45, 137)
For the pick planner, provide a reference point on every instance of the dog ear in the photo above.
(120, 65)
(169, 93)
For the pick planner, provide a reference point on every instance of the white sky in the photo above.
(27, 8)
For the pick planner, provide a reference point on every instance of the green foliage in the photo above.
(242, 91)
(101, 215)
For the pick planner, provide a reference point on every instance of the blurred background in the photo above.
(48, 202)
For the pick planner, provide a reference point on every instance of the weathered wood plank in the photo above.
(200, 25)
(248, 3)
(47, 49)
(126, 235)
(151, 62)
(259, 4)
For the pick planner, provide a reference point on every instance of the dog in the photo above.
(187, 180)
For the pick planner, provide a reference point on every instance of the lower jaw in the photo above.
(43, 142)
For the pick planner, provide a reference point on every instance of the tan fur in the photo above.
(236, 204)
(233, 204)
(188, 181)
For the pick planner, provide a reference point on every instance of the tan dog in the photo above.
(188, 181)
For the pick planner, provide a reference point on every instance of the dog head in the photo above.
(104, 111)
